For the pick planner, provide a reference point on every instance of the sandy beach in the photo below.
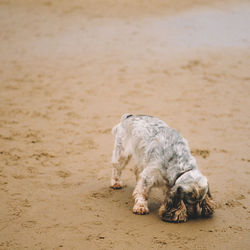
(70, 69)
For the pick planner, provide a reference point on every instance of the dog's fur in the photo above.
(163, 159)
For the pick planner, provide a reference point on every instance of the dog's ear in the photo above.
(174, 209)
(208, 205)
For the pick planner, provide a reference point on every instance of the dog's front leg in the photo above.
(140, 195)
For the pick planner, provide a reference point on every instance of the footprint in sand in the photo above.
(204, 153)
(63, 174)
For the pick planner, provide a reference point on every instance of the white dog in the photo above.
(163, 159)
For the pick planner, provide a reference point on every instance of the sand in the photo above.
(70, 69)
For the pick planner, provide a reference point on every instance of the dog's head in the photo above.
(192, 191)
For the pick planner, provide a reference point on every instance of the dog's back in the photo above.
(162, 158)
(151, 141)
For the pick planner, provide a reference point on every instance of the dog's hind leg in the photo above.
(118, 166)
(119, 160)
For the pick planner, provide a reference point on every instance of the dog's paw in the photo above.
(140, 208)
(116, 184)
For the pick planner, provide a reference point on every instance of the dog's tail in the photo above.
(123, 118)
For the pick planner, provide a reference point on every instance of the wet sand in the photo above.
(69, 70)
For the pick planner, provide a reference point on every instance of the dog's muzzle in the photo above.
(194, 210)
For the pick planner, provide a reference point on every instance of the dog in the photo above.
(163, 159)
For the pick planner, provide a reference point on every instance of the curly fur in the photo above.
(162, 159)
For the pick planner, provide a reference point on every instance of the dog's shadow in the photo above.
(123, 200)
(155, 200)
